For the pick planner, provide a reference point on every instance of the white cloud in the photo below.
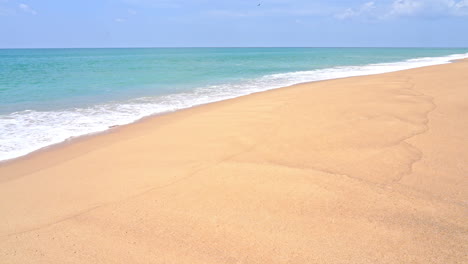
(366, 9)
(408, 8)
(27, 9)
(432, 8)
(462, 4)
(119, 20)
(348, 13)
(461, 8)
(132, 12)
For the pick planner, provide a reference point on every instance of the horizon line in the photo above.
(207, 47)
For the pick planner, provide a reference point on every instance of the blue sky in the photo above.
(232, 23)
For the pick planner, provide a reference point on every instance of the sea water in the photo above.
(50, 95)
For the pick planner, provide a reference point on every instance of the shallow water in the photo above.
(50, 95)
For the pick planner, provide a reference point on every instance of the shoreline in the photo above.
(72, 139)
(358, 169)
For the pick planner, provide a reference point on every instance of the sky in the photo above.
(233, 23)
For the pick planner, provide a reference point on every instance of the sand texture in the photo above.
(369, 169)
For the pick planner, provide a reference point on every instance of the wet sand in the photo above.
(370, 169)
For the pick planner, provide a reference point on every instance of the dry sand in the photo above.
(368, 169)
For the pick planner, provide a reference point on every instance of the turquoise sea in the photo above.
(51, 95)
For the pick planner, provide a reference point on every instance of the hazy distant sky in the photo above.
(193, 23)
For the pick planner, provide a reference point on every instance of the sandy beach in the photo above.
(370, 169)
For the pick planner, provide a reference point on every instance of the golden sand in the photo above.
(369, 169)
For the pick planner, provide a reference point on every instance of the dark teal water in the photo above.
(49, 95)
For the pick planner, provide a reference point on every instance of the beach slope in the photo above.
(368, 169)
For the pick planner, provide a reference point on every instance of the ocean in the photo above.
(48, 96)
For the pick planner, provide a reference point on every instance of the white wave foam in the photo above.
(26, 131)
